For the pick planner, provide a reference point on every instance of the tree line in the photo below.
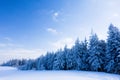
(87, 55)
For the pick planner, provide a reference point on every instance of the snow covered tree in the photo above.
(84, 52)
(40, 63)
(22, 62)
(113, 49)
(49, 59)
(94, 59)
(80, 53)
(117, 68)
(71, 60)
(14, 62)
(30, 64)
(98, 56)
(102, 51)
(60, 61)
(66, 51)
(76, 50)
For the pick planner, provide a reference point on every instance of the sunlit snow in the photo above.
(8, 73)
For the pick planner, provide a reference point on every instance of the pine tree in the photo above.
(49, 59)
(112, 53)
(40, 65)
(94, 59)
(78, 55)
(84, 52)
(102, 51)
(59, 62)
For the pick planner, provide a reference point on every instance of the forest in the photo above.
(87, 55)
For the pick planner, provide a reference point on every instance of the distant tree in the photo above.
(22, 62)
(30, 65)
(14, 62)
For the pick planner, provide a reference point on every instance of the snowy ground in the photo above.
(8, 73)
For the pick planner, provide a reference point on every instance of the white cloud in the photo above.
(10, 50)
(25, 51)
(115, 15)
(55, 16)
(112, 3)
(6, 45)
(2, 45)
(58, 16)
(61, 43)
(20, 53)
(53, 31)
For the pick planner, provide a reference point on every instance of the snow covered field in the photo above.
(8, 73)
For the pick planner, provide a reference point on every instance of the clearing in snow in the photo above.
(9, 73)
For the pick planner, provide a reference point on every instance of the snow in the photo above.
(9, 73)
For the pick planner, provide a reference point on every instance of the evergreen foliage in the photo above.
(98, 55)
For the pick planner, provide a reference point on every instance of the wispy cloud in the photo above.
(6, 45)
(62, 42)
(112, 3)
(51, 30)
(8, 38)
(55, 16)
(115, 15)
(10, 50)
(2, 45)
(58, 16)
(20, 53)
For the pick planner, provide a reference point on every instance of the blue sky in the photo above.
(29, 28)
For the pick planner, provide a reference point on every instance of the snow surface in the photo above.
(9, 73)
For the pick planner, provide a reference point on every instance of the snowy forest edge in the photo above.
(87, 55)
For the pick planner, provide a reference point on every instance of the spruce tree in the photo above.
(113, 50)
(94, 59)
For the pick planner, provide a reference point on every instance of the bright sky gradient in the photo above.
(29, 28)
